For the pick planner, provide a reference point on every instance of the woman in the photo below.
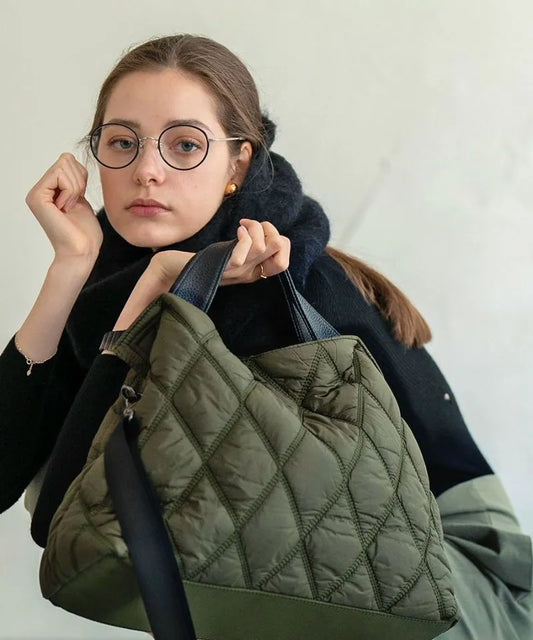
(183, 159)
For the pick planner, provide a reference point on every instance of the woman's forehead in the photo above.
(157, 98)
(135, 124)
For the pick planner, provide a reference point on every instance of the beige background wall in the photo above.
(411, 121)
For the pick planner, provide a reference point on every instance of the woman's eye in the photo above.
(122, 144)
(187, 146)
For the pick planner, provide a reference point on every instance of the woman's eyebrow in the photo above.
(183, 121)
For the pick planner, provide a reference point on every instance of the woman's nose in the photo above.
(149, 165)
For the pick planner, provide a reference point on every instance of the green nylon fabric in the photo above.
(289, 473)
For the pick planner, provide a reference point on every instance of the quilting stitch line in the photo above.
(253, 508)
(313, 525)
(365, 540)
(293, 506)
(211, 478)
(422, 568)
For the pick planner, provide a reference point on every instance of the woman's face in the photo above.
(152, 100)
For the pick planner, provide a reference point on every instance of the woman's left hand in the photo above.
(260, 252)
(259, 244)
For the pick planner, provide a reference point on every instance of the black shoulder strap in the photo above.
(144, 532)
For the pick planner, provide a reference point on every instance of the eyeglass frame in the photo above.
(140, 144)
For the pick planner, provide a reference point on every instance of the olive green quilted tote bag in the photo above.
(284, 488)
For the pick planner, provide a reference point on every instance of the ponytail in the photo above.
(406, 322)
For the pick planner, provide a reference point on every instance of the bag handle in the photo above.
(199, 280)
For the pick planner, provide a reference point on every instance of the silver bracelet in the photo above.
(29, 361)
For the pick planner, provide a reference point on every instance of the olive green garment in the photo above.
(491, 560)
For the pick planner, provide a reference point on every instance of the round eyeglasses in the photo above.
(182, 147)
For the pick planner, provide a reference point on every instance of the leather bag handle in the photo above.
(200, 278)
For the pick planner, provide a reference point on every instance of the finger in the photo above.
(82, 176)
(274, 243)
(78, 174)
(241, 249)
(269, 230)
(277, 248)
(66, 186)
(279, 260)
(76, 193)
(255, 229)
(82, 170)
(64, 176)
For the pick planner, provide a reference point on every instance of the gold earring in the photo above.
(231, 188)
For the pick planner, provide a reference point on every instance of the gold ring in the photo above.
(262, 274)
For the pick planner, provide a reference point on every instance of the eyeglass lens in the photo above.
(182, 147)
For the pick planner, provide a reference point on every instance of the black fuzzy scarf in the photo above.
(271, 192)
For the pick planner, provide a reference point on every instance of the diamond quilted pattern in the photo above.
(290, 472)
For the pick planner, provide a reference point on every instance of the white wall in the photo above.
(412, 123)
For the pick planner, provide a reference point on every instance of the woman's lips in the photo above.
(146, 211)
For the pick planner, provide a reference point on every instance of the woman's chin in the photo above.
(152, 241)
(147, 235)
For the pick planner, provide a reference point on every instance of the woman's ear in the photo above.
(241, 163)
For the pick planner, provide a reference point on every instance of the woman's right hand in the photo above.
(58, 202)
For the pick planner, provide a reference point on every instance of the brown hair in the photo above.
(406, 322)
(239, 112)
(225, 76)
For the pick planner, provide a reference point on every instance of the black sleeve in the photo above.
(425, 399)
(98, 391)
(32, 410)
